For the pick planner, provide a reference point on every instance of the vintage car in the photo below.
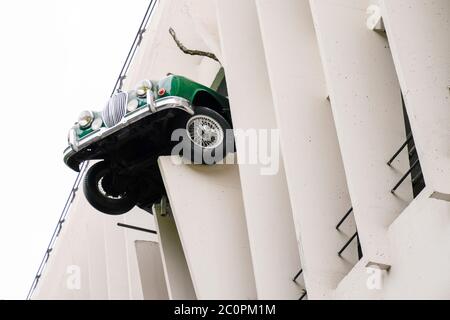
(135, 128)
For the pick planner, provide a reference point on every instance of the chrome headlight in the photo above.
(85, 119)
(143, 87)
(132, 105)
(97, 123)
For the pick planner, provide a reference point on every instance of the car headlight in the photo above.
(143, 87)
(97, 123)
(132, 105)
(85, 119)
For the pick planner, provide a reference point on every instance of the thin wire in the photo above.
(71, 197)
(134, 46)
(55, 234)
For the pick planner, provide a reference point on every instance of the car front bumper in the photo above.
(170, 102)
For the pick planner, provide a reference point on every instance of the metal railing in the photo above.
(304, 294)
(415, 170)
(295, 280)
(297, 275)
(129, 226)
(117, 87)
(355, 235)
(344, 217)
(411, 153)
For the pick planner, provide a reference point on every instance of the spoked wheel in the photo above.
(206, 131)
(107, 192)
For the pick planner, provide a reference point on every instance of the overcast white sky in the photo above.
(57, 58)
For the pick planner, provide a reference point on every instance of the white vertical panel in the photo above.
(143, 219)
(116, 262)
(151, 270)
(419, 241)
(419, 36)
(104, 253)
(176, 271)
(53, 283)
(314, 169)
(207, 206)
(96, 255)
(267, 208)
(367, 108)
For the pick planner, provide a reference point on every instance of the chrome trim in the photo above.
(115, 109)
(151, 100)
(68, 152)
(170, 102)
(72, 137)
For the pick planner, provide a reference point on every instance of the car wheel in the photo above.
(104, 195)
(207, 137)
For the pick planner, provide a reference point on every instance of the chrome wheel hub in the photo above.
(204, 131)
(104, 193)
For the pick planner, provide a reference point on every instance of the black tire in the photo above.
(199, 154)
(98, 199)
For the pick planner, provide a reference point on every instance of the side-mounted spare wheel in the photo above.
(107, 192)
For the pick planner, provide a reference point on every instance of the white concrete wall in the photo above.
(420, 259)
(110, 257)
(158, 54)
(237, 234)
(176, 271)
(207, 207)
(418, 32)
(104, 253)
(366, 102)
(314, 169)
(151, 268)
(268, 211)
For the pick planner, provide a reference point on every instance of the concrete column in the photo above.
(139, 289)
(116, 262)
(151, 270)
(268, 211)
(420, 261)
(367, 108)
(207, 207)
(313, 164)
(418, 32)
(96, 255)
(176, 271)
(67, 274)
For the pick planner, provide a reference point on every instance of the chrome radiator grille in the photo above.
(115, 109)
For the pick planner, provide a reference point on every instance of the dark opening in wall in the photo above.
(417, 180)
(220, 83)
(222, 89)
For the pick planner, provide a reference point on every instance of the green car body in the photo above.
(178, 86)
(138, 126)
(182, 87)
(171, 92)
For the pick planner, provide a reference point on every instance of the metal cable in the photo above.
(71, 197)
